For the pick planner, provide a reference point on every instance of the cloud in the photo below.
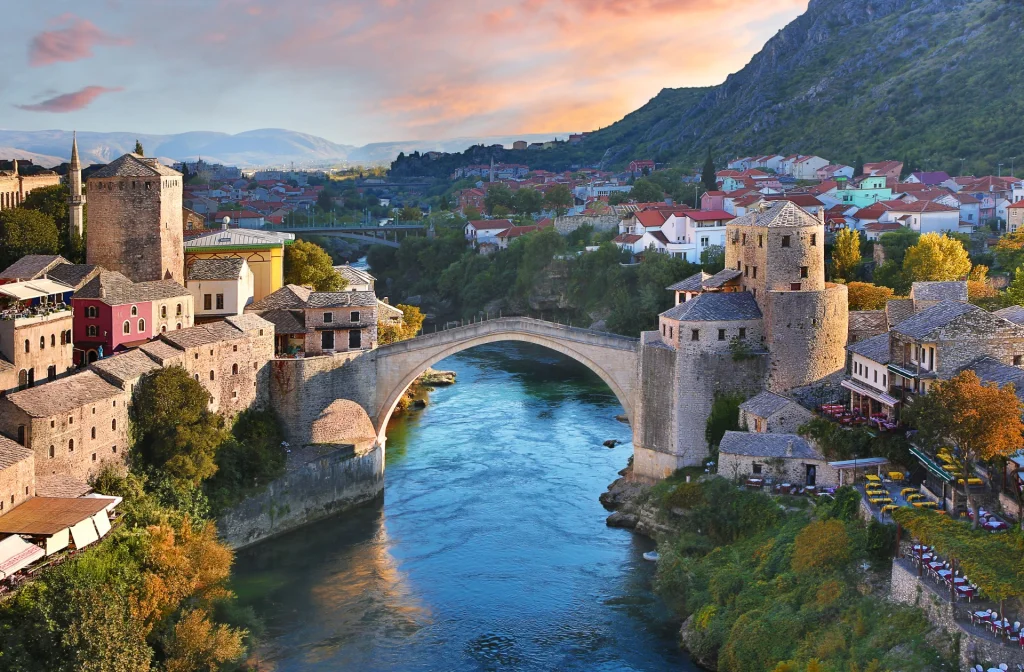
(72, 42)
(70, 102)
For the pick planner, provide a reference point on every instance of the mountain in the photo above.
(932, 81)
(263, 147)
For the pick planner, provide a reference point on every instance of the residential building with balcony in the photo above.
(35, 333)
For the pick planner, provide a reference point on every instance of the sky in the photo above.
(361, 71)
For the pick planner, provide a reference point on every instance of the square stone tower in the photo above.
(135, 220)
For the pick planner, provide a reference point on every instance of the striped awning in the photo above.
(16, 554)
(880, 397)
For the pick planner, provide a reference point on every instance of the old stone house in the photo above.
(220, 287)
(17, 474)
(315, 323)
(772, 413)
(35, 333)
(784, 458)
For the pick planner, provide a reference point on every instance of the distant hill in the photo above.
(263, 147)
(931, 81)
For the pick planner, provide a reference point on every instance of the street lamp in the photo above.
(962, 167)
(1000, 169)
(1012, 159)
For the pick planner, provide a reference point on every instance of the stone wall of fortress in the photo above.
(806, 333)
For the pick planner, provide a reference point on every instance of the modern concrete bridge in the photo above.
(389, 235)
(612, 357)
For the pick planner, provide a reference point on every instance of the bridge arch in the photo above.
(612, 358)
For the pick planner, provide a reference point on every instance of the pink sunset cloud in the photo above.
(70, 102)
(72, 42)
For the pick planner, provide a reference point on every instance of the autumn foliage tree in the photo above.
(866, 296)
(846, 254)
(390, 332)
(822, 545)
(982, 422)
(936, 257)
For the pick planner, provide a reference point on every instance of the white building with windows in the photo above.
(220, 287)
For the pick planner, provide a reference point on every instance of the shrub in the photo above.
(822, 545)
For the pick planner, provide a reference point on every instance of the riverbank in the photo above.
(761, 583)
(418, 394)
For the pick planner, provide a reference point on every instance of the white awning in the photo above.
(84, 533)
(102, 522)
(880, 397)
(34, 289)
(859, 464)
(57, 542)
(16, 554)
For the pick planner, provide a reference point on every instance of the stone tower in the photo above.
(76, 200)
(135, 219)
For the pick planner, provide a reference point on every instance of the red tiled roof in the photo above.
(490, 224)
(659, 236)
(882, 226)
(803, 200)
(1018, 204)
(709, 215)
(627, 238)
(920, 206)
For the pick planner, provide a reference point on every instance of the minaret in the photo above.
(76, 200)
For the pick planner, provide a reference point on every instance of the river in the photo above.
(489, 550)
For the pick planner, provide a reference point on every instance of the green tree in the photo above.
(707, 175)
(712, 258)
(559, 198)
(325, 200)
(618, 198)
(175, 432)
(896, 243)
(527, 201)
(138, 148)
(249, 459)
(724, 417)
(24, 232)
(309, 265)
(858, 166)
(1015, 291)
(936, 257)
(472, 214)
(646, 191)
(410, 213)
(498, 194)
(846, 254)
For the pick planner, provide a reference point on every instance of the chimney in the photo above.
(103, 292)
(789, 448)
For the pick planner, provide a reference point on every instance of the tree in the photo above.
(866, 296)
(712, 258)
(412, 322)
(527, 201)
(1009, 251)
(410, 213)
(500, 211)
(138, 148)
(896, 243)
(846, 254)
(199, 644)
(646, 191)
(24, 232)
(821, 546)
(472, 214)
(936, 257)
(325, 200)
(498, 194)
(559, 198)
(707, 175)
(1015, 292)
(617, 198)
(858, 166)
(981, 421)
(175, 431)
(308, 265)
(890, 274)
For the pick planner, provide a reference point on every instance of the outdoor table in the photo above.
(935, 566)
(889, 508)
(895, 476)
(754, 482)
(943, 573)
(979, 617)
(873, 478)
(965, 591)
(908, 491)
(995, 525)
(999, 627)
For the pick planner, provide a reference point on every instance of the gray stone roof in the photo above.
(215, 269)
(203, 334)
(125, 367)
(74, 275)
(757, 444)
(63, 394)
(133, 165)
(286, 321)
(694, 283)
(875, 348)
(12, 452)
(778, 214)
(59, 485)
(32, 266)
(939, 291)
(922, 324)
(289, 296)
(897, 310)
(1014, 314)
(716, 307)
(991, 370)
(161, 352)
(240, 238)
(341, 299)
(355, 276)
(765, 404)
(870, 321)
(248, 322)
(114, 289)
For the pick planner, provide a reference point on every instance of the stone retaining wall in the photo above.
(568, 224)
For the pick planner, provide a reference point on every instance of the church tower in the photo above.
(76, 200)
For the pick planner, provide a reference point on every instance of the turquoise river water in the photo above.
(489, 550)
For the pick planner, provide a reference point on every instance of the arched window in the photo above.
(196, 376)
(93, 433)
(163, 328)
(211, 374)
(67, 336)
(127, 327)
(53, 340)
(113, 424)
(179, 326)
(91, 331)
(135, 311)
(71, 445)
(178, 310)
(42, 342)
(63, 341)
(163, 311)
(52, 452)
(26, 345)
(234, 369)
(142, 326)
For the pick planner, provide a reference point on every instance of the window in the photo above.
(52, 452)
(328, 318)
(135, 311)
(756, 468)
(207, 301)
(178, 326)
(744, 239)
(743, 332)
(163, 328)
(26, 345)
(760, 240)
(746, 271)
(705, 241)
(71, 420)
(234, 348)
(113, 424)
(785, 241)
(126, 327)
(94, 454)
(21, 434)
(92, 433)
(142, 326)
(42, 342)
(814, 240)
(664, 329)
(177, 311)
(755, 272)
(721, 334)
(53, 423)
(695, 335)
(53, 340)
(113, 449)
(355, 338)
(71, 445)
(234, 394)
(234, 369)
(92, 311)
(196, 376)
(803, 271)
(163, 311)
(220, 302)
(794, 286)
(327, 340)
(1017, 360)
(884, 380)
(671, 333)
(62, 339)
(91, 331)
(876, 375)
(211, 374)
(355, 316)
